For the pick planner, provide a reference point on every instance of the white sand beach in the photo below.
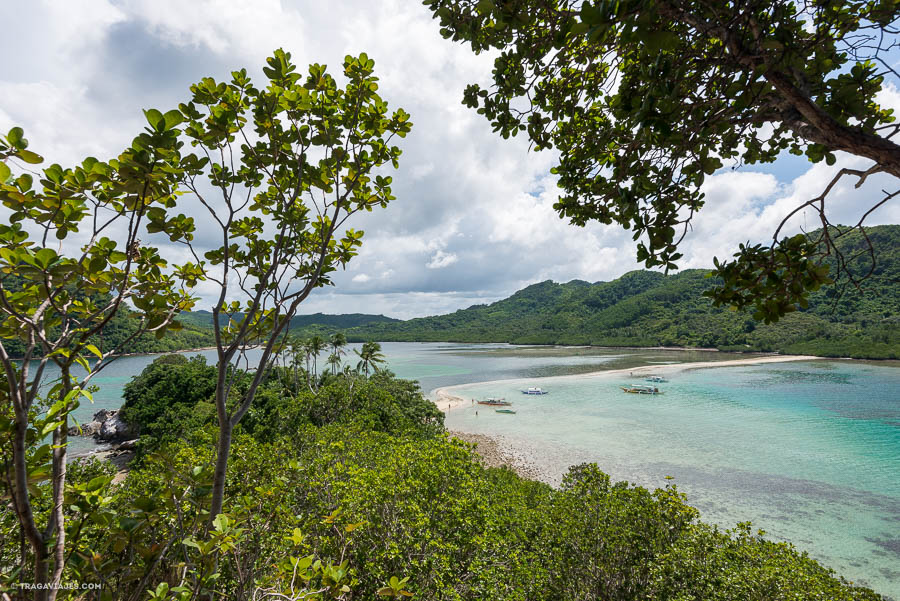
(446, 400)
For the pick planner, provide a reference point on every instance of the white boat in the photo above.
(656, 379)
(533, 390)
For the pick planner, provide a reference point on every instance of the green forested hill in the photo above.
(644, 308)
(313, 323)
(641, 308)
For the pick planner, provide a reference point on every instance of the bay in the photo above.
(807, 451)
(432, 364)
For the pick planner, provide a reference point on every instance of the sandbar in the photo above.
(446, 400)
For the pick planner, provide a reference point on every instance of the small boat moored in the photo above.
(533, 390)
(656, 379)
(505, 411)
(641, 389)
(494, 401)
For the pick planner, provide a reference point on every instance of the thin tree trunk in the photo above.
(41, 574)
(223, 449)
(58, 518)
(223, 445)
(22, 504)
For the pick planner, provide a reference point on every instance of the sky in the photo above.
(473, 220)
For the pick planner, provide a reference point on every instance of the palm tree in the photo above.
(334, 360)
(297, 348)
(315, 345)
(338, 342)
(370, 354)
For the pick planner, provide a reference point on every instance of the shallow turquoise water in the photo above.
(432, 364)
(809, 452)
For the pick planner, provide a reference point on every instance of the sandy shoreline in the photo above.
(447, 401)
(495, 451)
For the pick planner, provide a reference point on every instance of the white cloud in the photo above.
(473, 220)
(245, 30)
(441, 259)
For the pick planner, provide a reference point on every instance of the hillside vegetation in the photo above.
(644, 308)
(196, 331)
(314, 320)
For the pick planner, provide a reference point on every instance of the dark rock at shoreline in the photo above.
(127, 445)
(106, 426)
(88, 429)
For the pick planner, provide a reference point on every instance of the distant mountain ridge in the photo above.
(644, 308)
(204, 318)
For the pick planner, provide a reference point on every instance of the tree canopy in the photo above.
(63, 279)
(644, 99)
(279, 169)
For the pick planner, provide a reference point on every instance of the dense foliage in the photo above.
(278, 167)
(124, 324)
(170, 398)
(643, 99)
(355, 491)
(62, 279)
(645, 308)
(281, 481)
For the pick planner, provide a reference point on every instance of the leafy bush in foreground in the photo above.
(356, 492)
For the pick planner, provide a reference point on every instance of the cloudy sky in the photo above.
(473, 220)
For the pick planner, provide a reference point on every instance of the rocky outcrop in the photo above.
(107, 426)
(128, 445)
(88, 429)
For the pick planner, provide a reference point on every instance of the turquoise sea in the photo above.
(807, 451)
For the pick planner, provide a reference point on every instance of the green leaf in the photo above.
(16, 139)
(50, 427)
(96, 483)
(30, 157)
(156, 119)
(173, 118)
(5, 173)
(45, 257)
(83, 363)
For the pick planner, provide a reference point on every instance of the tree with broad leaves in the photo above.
(279, 169)
(70, 260)
(644, 99)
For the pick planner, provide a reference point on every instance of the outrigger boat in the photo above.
(494, 401)
(534, 391)
(641, 389)
(505, 411)
(657, 379)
